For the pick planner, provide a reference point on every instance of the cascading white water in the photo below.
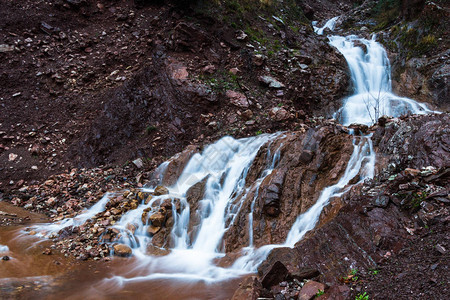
(371, 77)
(330, 24)
(224, 166)
(50, 230)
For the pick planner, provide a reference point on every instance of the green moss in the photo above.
(386, 12)
(221, 81)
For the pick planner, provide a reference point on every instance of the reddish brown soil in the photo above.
(418, 271)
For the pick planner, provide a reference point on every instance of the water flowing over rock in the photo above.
(307, 204)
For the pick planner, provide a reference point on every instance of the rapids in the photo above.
(224, 166)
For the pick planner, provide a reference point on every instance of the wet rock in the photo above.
(249, 289)
(157, 219)
(131, 227)
(152, 250)
(152, 230)
(122, 250)
(310, 289)
(5, 257)
(176, 165)
(161, 239)
(161, 190)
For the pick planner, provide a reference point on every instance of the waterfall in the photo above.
(223, 167)
(371, 77)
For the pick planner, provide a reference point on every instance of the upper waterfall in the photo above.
(370, 73)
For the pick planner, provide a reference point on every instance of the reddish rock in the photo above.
(249, 289)
(157, 219)
(237, 99)
(279, 114)
(122, 250)
(310, 289)
(161, 190)
(276, 274)
(336, 292)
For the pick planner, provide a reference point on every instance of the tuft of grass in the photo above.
(363, 296)
(149, 129)
(320, 293)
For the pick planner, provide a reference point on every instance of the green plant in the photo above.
(149, 129)
(353, 271)
(363, 296)
(320, 293)
(417, 199)
(259, 132)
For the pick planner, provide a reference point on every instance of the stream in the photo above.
(190, 270)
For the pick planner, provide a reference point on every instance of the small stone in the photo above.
(138, 163)
(157, 219)
(6, 257)
(131, 227)
(259, 59)
(381, 201)
(303, 66)
(237, 99)
(247, 114)
(122, 250)
(279, 114)
(234, 71)
(271, 82)
(209, 69)
(161, 190)
(413, 172)
(12, 156)
(6, 48)
(242, 36)
(47, 251)
(441, 249)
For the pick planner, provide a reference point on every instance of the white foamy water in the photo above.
(49, 230)
(3, 248)
(223, 166)
(371, 78)
(330, 24)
